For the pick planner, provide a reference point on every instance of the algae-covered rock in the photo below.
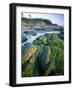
(29, 53)
(45, 57)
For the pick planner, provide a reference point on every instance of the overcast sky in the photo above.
(55, 18)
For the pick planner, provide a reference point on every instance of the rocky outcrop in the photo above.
(45, 57)
(30, 53)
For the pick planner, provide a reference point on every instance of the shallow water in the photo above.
(32, 38)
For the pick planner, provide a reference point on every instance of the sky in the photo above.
(55, 18)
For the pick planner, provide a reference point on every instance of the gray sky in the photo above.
(55, 18)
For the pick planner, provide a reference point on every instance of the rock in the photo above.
(29, 54)
(24, 39)
(33, 33)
